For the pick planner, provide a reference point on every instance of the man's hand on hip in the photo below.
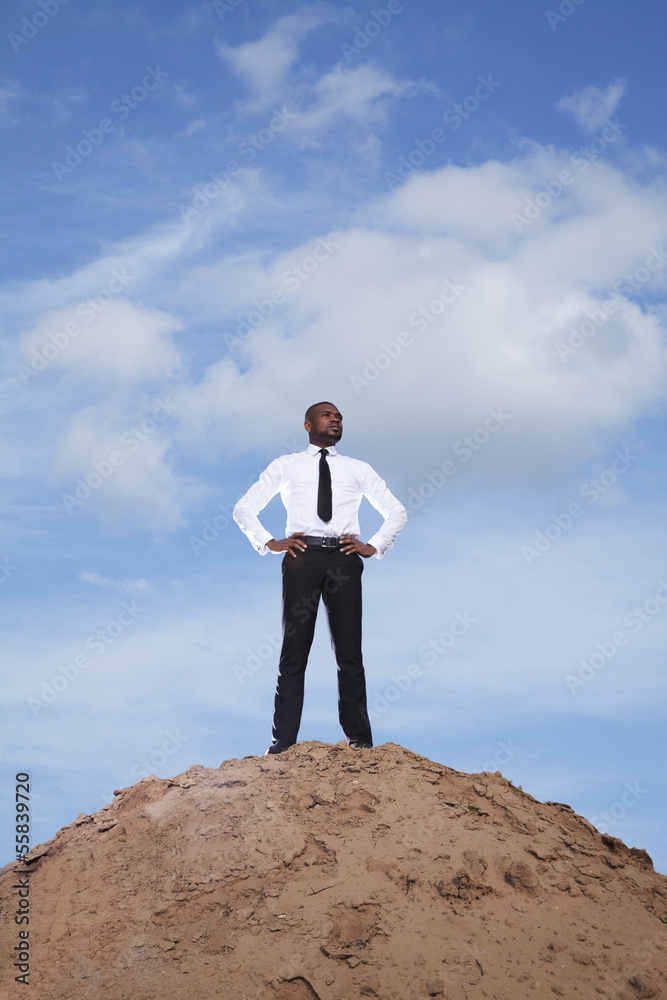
(294, 544)
(348, 544)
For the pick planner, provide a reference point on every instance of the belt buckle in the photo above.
(326, 539)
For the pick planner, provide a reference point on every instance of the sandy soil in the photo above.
(336, 874)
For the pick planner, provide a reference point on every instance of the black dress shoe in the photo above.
(360, 745)
(279, 747)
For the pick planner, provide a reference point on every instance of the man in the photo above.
(321, 490)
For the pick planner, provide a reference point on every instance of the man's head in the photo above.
(324, 424)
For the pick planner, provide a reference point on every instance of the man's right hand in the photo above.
(294, 544)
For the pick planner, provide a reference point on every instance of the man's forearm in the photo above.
(251, 526)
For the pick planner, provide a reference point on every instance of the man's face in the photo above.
(326, 422)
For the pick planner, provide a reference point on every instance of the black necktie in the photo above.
(324, 488)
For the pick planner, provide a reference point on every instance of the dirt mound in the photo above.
(334, 873)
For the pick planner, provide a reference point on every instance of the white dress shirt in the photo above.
(296, 478)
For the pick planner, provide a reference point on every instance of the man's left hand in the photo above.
(348, 544)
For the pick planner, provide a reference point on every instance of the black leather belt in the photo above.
(322, 541)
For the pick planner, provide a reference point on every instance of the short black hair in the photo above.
(309, 411)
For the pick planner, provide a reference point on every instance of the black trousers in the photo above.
(336, 578)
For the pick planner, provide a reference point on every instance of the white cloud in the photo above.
(134, 262)
(265, 67)
(592, 106)
(182, 95)
(104, 338)
(350, 93)
(127, 586)
(493, 345)
(119, 463)
(10, 95)
(86, 332)
(347, 297)
(264, 64)
(198, 125)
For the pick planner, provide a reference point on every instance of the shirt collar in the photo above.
(313, 449)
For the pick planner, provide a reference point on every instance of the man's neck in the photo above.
(321, 442)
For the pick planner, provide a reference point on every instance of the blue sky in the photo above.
(450, 219)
